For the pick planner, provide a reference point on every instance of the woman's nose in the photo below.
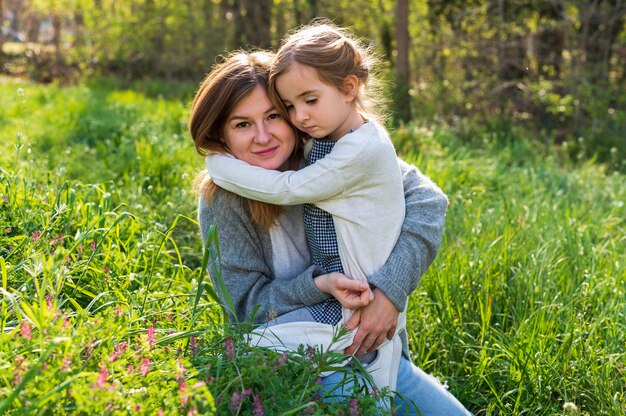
(262, 135)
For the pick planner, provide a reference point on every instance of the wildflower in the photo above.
(5, 198)
(130, 368)
(354, 407)
(310, 409)
(102, 378)
(137, 408)
(49, 301)
(184, 396)
(180, 373)
(106, 270)
(35, 236)
(281, 360)
(229, 348)
(193, 345)
(67, 362)
(160, 412)
(92, 245)
(118, 311)
(26, 330)
(238, 397)
(118, 351)
(310, 353)
(9, 230)
(144, 367)
(57, 239)
(569, 406)
(375, 392)
(257, 406)
(151, 337)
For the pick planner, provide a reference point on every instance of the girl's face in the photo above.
(256, 133)
(318, 109)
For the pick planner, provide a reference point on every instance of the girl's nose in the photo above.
(301, 116)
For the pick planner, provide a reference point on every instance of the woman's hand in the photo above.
(376, 321)
(350, 293)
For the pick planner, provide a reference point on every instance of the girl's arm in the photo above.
(317, 182)
(244, 253)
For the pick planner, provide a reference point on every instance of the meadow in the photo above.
(107, 307)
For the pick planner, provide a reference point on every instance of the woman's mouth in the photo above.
(267, 152)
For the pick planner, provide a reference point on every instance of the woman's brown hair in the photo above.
(219, 92)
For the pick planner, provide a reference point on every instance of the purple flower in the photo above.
(193, 345)
(238, 397)
(354, 407)
(92, 245)
(229, 348)
(5, 198)
(35, 236)
(257, 406)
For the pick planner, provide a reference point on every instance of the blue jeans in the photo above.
(427, 394)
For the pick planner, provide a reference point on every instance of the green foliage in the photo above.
(106, 308)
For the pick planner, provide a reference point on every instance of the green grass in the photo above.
(106, 307)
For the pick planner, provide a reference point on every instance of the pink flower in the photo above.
(26, 330)
(102, 378)
(229, 348)
(119, 350)
(180, 373)
(92, 245)
(5, 198)
(144, 367)
(35, 236)
(106, 270)
(57, 239)
(9, 230)
(49, 301)
(257, 406)
(151, 337)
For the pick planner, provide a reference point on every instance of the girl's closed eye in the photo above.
(311, 100)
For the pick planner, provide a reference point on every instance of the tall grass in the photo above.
(105, 306)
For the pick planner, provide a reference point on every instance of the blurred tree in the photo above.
(402, 96)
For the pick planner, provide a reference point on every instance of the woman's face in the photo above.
(257, 134)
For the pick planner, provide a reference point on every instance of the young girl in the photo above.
(352, 186)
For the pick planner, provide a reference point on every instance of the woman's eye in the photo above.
(273, 116)
(242, 125)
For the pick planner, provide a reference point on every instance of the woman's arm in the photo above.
(419, 240)
(244, 256)
(414, 251)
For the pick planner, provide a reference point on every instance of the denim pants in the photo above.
(429, 397)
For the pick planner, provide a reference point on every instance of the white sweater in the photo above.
(358, 183)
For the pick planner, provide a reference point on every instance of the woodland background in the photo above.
(554, 68)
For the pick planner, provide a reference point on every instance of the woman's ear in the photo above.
(350, 87)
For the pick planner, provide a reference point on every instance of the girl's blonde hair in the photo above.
(335, 53)
(220, 91)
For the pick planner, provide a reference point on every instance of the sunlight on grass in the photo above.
(101, 262)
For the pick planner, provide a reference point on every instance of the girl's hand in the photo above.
(350, 293)
(376, 322)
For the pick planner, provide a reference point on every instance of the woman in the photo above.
(265, 259)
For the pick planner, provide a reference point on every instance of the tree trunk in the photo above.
(402, 97)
